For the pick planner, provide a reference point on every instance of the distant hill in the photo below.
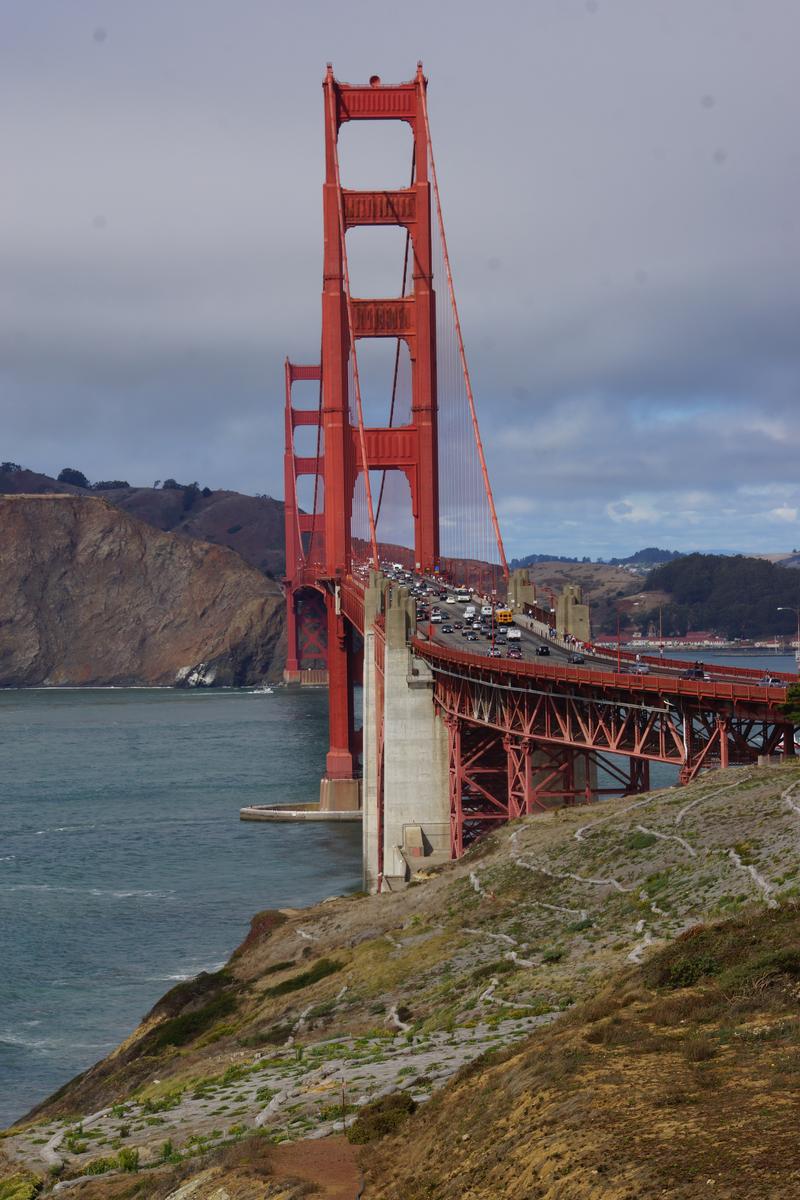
(736, 596)
(250, 525)
(649, 556)
(530, 560)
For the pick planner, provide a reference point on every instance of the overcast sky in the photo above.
(620, 188)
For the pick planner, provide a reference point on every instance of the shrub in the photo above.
(189, 991)
(76, 478)
(321, 969)
(19, 1187)
(553, 955)
(699, 1048)
(500, 967)
(99, 1166)
(109, 485)
(579, 926)
(277, 967)
(128, 1160)
(179, 1030)
(686, 971)
(640, 840)
(380, 1117)
(164, 1103)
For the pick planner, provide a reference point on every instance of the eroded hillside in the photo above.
(90, 595)
(321, 1012)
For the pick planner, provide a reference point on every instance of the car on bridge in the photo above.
(494, 652)
(448, 628)
(543, 650)
(514, 652)
(458, 624)
(576, 659)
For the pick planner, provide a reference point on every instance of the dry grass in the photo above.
(604, 1087)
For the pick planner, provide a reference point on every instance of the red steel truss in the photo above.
(526, 736)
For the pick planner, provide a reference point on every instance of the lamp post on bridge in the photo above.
(796, 611)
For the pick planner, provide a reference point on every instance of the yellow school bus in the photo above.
(504, 616)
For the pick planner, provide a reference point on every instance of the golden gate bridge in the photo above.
(451, 742)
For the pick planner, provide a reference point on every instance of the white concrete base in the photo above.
(340, 795)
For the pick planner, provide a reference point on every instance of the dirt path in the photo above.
(330, 1163)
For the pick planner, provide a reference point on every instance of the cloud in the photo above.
(619, 191)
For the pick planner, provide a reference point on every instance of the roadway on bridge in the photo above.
(453, 612)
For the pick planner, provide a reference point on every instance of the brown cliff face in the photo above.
(90, 595)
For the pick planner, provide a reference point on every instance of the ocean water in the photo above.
(124, 866)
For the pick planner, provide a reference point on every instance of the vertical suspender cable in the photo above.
(462, 354)
(346, 279)
(316, 471)
(399, 340)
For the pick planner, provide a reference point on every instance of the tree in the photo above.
(791, 709)
(190, 493)
(12, 468)
(171, 485)
(107, 485)
(76, 478)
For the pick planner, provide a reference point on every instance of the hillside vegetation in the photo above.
(250, 525)
(736, 596)
(558, 1011)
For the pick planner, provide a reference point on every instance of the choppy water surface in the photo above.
(124, 866)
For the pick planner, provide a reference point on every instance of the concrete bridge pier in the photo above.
(406, 798)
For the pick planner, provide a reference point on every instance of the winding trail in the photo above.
(731, 787)
(620, 887)
(580, 834)
(761, 883)
(476, 883)
(787, 796)
(669, 837)
(638, 950)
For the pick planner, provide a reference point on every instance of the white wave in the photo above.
(10, 1038)
(80, 891)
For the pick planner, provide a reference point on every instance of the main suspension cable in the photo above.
(462, 354)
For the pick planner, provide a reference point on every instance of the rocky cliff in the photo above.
(91, 595)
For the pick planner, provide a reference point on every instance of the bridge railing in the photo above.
(640, 685)
(655, 660)
(351, 598)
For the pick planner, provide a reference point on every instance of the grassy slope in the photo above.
(653, 1088)
(541, 915)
